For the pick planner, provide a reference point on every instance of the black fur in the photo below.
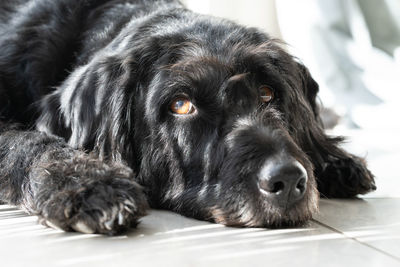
(87, 138)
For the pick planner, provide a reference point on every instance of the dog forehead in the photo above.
(197, 67)
(238, 70)
(207, 69)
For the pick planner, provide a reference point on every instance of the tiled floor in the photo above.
(361, 232)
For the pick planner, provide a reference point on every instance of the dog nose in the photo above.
(284, 182)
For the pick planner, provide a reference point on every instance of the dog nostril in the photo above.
(301, 185)
(271, 187)
(277, 187)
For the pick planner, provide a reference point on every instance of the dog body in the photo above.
(107, 107)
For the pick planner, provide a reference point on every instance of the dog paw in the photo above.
(345, 178)
(87, 195)
(104, 207)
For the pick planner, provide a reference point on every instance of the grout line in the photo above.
(356, 240)
(378, 197)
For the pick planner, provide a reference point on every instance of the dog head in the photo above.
(217, 120)
(226, 135)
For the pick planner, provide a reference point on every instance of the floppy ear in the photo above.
(310, 89)
(92, 109)
(338, 173)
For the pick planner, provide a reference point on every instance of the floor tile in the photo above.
(167, 239)
(375, 222)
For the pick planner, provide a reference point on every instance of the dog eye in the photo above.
(266, 94)
(182, 106)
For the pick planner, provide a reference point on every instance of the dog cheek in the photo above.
(184, 140)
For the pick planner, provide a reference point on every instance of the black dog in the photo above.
(110, 106)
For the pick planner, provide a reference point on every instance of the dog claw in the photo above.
(128, 209)
(109, 225)
(52, 225)
(120, 219)
(130, 204)
(83, 228)
(67, 212)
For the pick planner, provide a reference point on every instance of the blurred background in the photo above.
(352, 48)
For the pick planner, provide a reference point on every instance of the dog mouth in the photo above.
(257, 210)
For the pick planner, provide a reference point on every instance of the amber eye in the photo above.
(266, 94)
(182, 106)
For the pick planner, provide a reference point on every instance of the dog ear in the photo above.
(92, 109)
(338, 173)
(310, 88)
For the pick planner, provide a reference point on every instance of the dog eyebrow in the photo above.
(189, 64)
(238, 77)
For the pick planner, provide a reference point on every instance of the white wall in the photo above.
(257, 13)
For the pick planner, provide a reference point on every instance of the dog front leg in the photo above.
(338, 173)
(67, 188)
(344, 176)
